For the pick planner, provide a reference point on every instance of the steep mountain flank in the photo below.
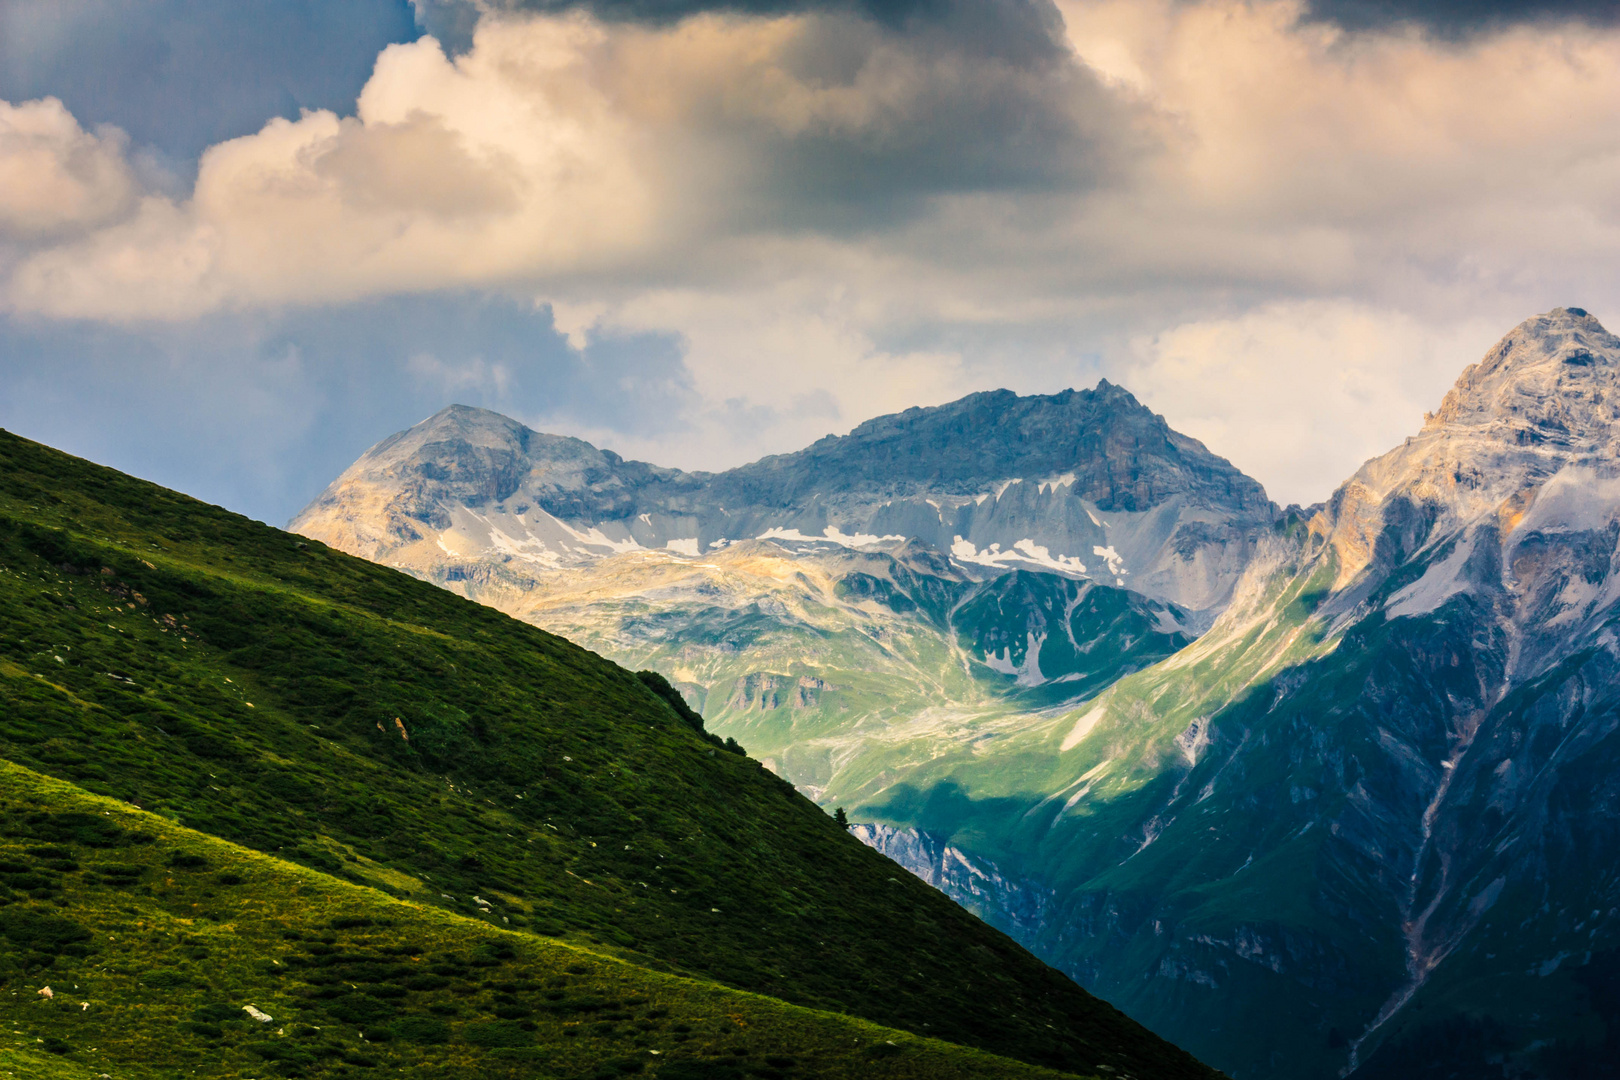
(1365, 824)
(334, 714)
(1082, 483)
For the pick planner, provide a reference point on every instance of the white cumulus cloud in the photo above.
(1302, 393)
(54, 175)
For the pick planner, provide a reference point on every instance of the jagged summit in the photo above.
(1120, 454)
(1554, 379)
(1083, 483)
(1115, 451)
(1508, 497)
(1544, 399)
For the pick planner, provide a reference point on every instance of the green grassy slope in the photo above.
(280, 695)
(154, 939)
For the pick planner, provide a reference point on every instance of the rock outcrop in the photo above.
(1021, 909)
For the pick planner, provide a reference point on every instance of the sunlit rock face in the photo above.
(1087, 484)
(1366, 823)
(1534, 421)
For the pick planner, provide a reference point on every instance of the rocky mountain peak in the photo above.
(1543, 399)
(1116, 452)
(1554, 380)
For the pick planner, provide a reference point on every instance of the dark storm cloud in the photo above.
(260, 414)
(1031, 29)
(180, 75)
(894, 13)
(999, 105)
(1004, 20)
(1456, 18)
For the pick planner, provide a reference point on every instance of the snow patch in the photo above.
(1116, 565)
(1025, 551)
(1097, 769)
(684, 547)
(1575, 499)
(594, 537)
(966, 865)
(1003, 485)
(830, 533)
(1085, 790)
(1029, 673)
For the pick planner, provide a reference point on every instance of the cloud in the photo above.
(993, 21)
(450, 175)
(1185, 153)
(1306, 159)
(564, 146)
(785, 221)
(1460, 17)
(1303, 393)
(55, 176)
(182, 75)
(1443, 16)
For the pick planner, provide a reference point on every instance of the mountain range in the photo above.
(1084, 483)
(1312, 793)
(269, 809)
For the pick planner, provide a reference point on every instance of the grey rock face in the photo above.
(1120, 456)
(1367, 824)
(1021, 909)
(1082, 483)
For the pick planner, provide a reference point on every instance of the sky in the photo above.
(241, 243)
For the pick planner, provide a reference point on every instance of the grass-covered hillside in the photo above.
(249, 685)
(155, 941)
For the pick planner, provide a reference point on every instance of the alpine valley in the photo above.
(1310, 792)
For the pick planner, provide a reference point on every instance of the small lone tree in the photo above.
(840, 817)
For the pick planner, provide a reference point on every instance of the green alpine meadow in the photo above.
(269, 809)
